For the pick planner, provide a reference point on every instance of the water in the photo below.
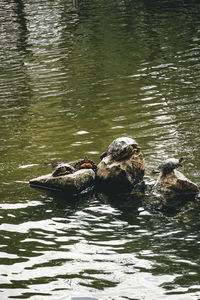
(74, 76)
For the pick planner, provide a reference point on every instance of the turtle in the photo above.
(168, 165)
(121, 148)
(85, 163)
(63, 169)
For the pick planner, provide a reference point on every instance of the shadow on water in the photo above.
(72, 202)
(128, 205)
(22, 43)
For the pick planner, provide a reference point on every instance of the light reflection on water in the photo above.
(84, 250)
(71, 80)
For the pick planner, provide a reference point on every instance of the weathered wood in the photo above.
(122, 174)
(174, 188)
(71, 183)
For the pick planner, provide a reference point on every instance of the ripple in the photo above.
(72, 79)
(15, 206)
(81, 132)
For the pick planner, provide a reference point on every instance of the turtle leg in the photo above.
(104, 154)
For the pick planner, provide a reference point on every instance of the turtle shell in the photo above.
(122, 147)
(170, 164)
(85, 164)
(63, 169)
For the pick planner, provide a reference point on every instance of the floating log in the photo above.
(70, 183)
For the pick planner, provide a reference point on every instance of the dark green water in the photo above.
(74, 76)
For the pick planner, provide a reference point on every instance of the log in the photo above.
(71, 183)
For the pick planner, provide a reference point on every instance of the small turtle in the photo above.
(121, 148)
(169, 165)
(85, 164)
(63, 169)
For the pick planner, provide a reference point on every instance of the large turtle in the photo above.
(121, 148)
(168, 165)
(63, 169)
(85, 163)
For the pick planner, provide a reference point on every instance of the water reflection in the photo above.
(21, 19)
(75, 75)
(87, 244)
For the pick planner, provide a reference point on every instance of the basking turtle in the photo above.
(169, 165)
(63, 169)
(85, 164)
(121, 148)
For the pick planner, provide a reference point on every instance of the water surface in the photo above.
(74, 75)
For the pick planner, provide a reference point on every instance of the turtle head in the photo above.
(104, 154)
(180, 161)
(155, 172)
(135, 146)
(85, 158)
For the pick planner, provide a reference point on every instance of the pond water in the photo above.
(74, 75)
